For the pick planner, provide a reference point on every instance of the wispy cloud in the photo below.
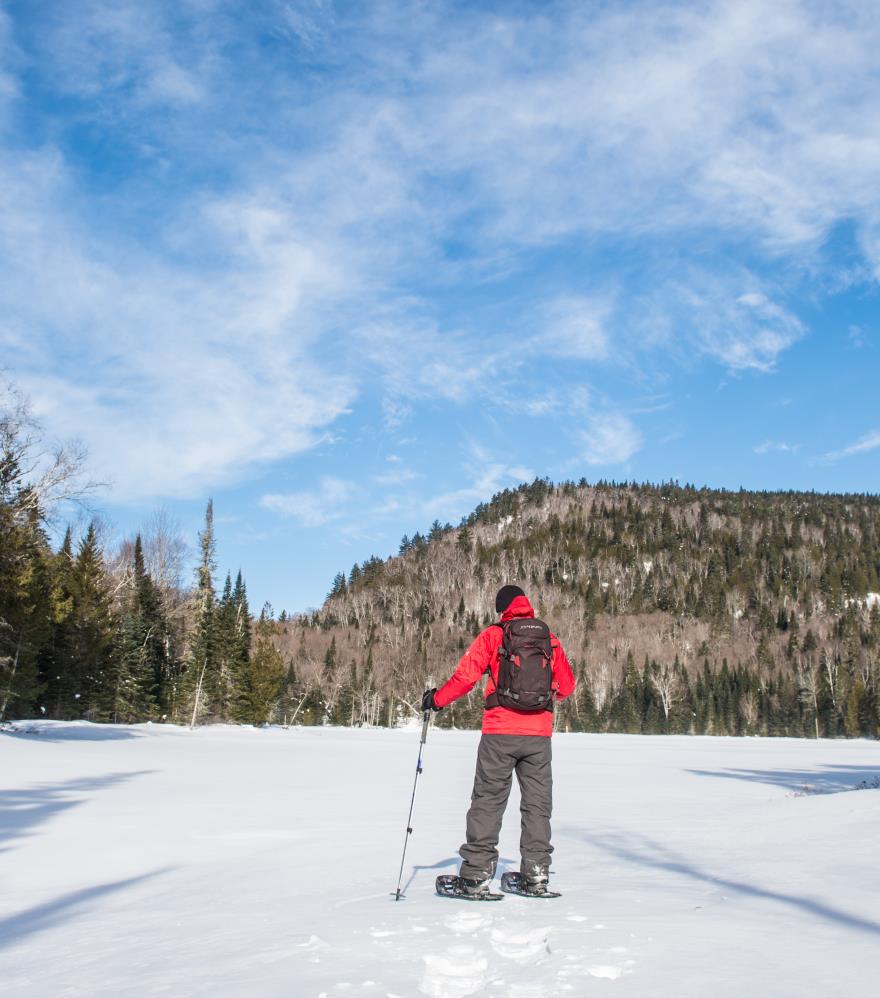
(400, 476)
(455, 503)
(610, 438)
(858, 336)
(128, 48)
(870, 441)
(313, 508)
(245, 221)
(776, 446)
(575, 327)
(216, 367)
(486, 476)
(743, 329)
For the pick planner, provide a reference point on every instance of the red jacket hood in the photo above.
(519, 607)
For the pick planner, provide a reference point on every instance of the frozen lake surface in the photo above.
(151, 860)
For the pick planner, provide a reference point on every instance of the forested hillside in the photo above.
(682, 610)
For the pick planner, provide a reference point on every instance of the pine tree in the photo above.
(154, 631)
(242, 626)
(25, 610)
(329, 670)
(59, 666)
(140, 666)
(130, 702)
(91, 634)
(339, 586)
(235, 631)
(263, 677)
(222, 693)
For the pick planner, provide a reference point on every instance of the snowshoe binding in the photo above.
(467, 890)
(516, 883)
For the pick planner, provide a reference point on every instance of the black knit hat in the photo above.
(506, 595)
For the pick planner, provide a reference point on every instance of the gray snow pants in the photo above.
(497, 758)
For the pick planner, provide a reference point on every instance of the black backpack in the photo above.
(525, 675)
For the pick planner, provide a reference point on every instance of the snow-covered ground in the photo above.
(233, 862)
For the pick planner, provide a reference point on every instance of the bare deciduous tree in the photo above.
(38, 473)
(667, 685)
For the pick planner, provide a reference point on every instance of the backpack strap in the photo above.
(492, 699)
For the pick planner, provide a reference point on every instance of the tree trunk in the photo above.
(8, 694)
(192, 723)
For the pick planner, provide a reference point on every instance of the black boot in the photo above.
(535, 878)
(473, 888)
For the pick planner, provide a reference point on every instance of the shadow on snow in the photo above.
(640, 850)
(825, 780)
(67, 731)
(44, 916)
(23, 810)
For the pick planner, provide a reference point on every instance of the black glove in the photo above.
(428, 700)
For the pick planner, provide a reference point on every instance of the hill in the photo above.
(681, 609)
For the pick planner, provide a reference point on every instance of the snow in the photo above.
(868, 601)
(151, 860)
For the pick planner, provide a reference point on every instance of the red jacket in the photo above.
(484, 652)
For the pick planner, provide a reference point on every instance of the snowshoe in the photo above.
(467, 890)
(515, 883)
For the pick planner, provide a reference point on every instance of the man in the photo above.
(517, 725)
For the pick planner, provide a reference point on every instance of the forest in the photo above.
(682, 609)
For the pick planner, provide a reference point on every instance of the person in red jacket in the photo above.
(512, 741)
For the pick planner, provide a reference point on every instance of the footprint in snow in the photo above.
(458, 972)
(527, 946)
(606, 971)
(538, 990)
(467, 921)
(313, 943)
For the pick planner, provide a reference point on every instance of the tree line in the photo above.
(86, 633)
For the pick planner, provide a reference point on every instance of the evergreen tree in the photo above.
(236, 641)
(329, 670)
(225, 644)
(242, 625)
(58, 663)
(154, 631)
(141, 667)
(91, 634)
(263, 675)
(25, 610)
(131, 700)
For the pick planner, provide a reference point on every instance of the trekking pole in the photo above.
(425, 722)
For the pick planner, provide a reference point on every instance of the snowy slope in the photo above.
(233, 862)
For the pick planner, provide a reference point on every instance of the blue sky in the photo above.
(350, 267)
